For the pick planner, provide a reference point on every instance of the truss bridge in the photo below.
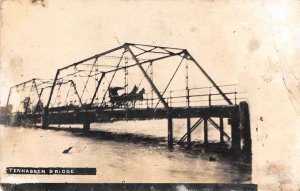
(134, 82)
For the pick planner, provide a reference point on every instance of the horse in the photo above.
(138, 97)
(127, 99)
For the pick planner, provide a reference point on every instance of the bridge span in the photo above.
(134, 82)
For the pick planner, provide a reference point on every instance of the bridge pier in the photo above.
(17, 120)
(235, 135)
(86, 123)
(86, 126)
(245, 128)
(44, 120)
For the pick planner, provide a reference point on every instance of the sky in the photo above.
(255, 44)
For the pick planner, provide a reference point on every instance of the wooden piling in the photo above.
(245, 127)
(188, 126)
(170, 132)
(86, 126)
(17, 120)
(235, 135)
(221, 130)
(205, 131)
(86, 123)
(44, 120)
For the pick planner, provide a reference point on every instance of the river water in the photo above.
(132, 151)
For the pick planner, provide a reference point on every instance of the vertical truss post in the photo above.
(209, 78)
(151, 77)
(188, 106)
(126, 76)
(76, 92)
(45, 121)
(38, 94)
(97, 88)
(187, 85)
(126, 81)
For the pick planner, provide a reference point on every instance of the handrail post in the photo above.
(235, 98)
(188, 97)
(147, 100)
(209, 97)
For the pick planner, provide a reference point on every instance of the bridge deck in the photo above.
(101, 115)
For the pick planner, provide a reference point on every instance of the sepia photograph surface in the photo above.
(191, 95)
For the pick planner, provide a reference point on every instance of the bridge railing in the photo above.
(204, 96)
(192, 97)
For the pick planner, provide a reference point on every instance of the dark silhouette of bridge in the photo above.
(133, 82)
